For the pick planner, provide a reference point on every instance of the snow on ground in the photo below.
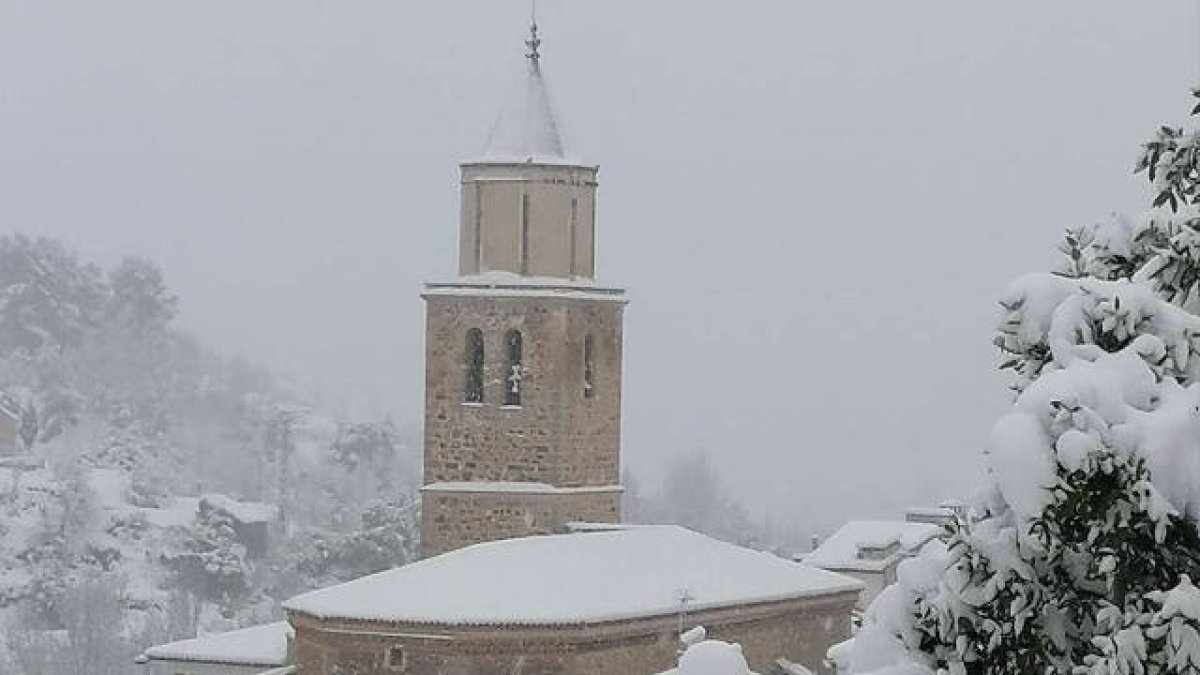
(634, 571)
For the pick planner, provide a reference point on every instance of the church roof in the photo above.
(526, 130)
(264, 645)
(630, 572)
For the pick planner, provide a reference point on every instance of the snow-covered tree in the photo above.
(135, 421)
(139, 296)
(1085, 548)
(711, 657)
(211, 562)
(386, 535)
(365, 443)
(48, 299)
(91, 639)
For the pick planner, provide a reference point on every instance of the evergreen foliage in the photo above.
(1080, 558)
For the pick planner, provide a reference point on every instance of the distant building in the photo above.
(526, 566)
(939, 515)
(260, 650)
(251, 521)
(870, 551)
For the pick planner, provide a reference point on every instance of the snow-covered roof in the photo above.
(927, 513)
(841, 550)
(502, 283)
(264, 645)
(526, 130)
(243, 512)
(636, 571)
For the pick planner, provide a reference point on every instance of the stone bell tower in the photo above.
(523, 349)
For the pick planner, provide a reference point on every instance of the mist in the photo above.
(814, 206)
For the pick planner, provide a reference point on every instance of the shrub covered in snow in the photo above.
(712, 657)
(1085, 552)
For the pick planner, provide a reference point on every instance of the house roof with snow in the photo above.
(891, 539)
(569, 579)
(243, 512)
(264, 645)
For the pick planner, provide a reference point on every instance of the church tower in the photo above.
(523, 349)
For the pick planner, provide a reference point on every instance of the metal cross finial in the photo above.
(534, 42)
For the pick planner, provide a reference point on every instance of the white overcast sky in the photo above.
(814, 205)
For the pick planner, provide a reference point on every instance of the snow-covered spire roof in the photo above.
(526, 130)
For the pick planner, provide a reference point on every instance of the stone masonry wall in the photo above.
(800, 630)
(557, 435)
(452, 519)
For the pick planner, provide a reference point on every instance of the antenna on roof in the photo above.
(534, 42)
(684, 595)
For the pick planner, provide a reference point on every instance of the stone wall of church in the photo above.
(558, 435)
(452, 519)
(800, 630)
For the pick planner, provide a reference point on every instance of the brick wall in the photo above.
(558, 435)
(799, 630)
(454, 518)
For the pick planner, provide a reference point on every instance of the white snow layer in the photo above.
(264, 645)
(526, 130)
(880, 646)
(1134, 412)
(243, 512)
(573, 578)
(498, 283)
(1085, 401)
(840, 550)
(515, 487)
(712, 657)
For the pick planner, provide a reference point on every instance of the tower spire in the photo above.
(526, 129)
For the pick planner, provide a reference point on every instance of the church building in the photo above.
(527, 568)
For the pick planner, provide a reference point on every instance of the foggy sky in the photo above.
(852, 184)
